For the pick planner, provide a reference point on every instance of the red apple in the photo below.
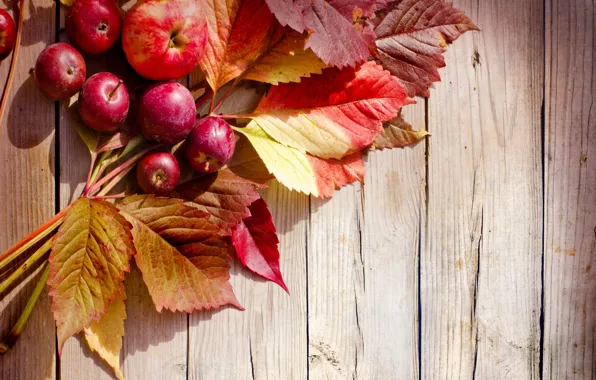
(104, 102)
(60, 71)
(8, 34)
(210, 145)
(166, 112)
(94, 25)
(158, 173)
(164, 40)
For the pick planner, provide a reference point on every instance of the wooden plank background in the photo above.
(471, 255)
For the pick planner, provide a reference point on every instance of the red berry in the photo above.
(210, 145)
(166, 112)
(104, 102)
(94, 25)
(8, 34)
(60, 71)
(158, 173)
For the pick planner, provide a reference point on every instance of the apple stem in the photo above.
(14, 334)
(26, 265)
(33, 238)
(120, 82)
(13, 63)
(127, 164)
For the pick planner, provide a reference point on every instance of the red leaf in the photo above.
(334, 38)
(413, 37)
(222, 194)
(256, 243)
(333, 174)
(333, 114)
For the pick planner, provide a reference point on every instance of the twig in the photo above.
(13, 63)
(18, 328)
(26, 265)
(34, 237)
(130, 163)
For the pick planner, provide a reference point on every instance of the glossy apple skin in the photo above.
(164, 40)
(210, 145)
(104, 102)
(8, 34)
(60, 71)
(158, 173)
(166, 112)
(94, 26)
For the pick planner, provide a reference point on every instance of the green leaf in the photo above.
(90, 137)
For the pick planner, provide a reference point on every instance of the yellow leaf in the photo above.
(290, 166)
(90, 254)
(286, 61)
(68, 3)
(105, 336)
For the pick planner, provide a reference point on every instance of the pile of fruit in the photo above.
(166, 111)
(326, 82)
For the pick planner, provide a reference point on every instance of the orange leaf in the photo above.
(183, 259)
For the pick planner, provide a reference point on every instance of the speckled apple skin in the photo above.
(158, 173)
(210, 145)
(97, 108)
(166, 112)
(60, 71)
(8, 34)
(164, 39)
(94, 26)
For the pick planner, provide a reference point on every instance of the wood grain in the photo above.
(27, 193)
(481, 256)
(362, 243)
(570, 192)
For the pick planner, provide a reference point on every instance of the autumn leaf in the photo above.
(105, 336)
(303, 172)
(398, 134)
(412, 38)
(90, 254)
(256, 243)
(183, 259)
(90, 137)
(247, 164)
(246, 40)
(333, 114)
(222, 194)
(285, 60)
(115, 141)
(333, 35)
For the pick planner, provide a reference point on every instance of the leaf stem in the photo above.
(230, 116)
(225, 97)
(14, 334)
(90, 172)
(204, 98)
(32, 239)
(26, 265)
(13, 63)
(126, 165)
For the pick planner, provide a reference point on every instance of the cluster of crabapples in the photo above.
(162, 41)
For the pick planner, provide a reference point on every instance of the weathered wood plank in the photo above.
(362, 243)
(268, 339)
(481, 254)
(27, 193)
(570, 192)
